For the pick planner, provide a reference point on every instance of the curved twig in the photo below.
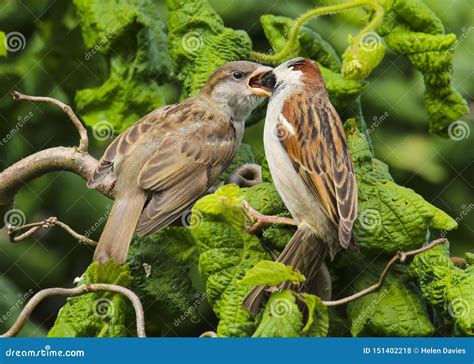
(13, 231)
(400, 257)
(208, 334)
(78, 291)
(84, 140)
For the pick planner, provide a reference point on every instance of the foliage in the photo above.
(96, 314)
(446, 286)
(141, 58)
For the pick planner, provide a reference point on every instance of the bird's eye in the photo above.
(237, 75)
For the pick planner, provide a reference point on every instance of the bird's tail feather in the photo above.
(118, 231)
(305, 252)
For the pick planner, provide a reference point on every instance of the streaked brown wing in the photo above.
(124, 144)
(183, 168)
(318, 149)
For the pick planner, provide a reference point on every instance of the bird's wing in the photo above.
(314, 139)
(124, 144)
(186, 163)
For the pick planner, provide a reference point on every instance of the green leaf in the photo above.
(96, 314)
(359, 59)
(446, 286)
(281, 317)
(162, 266)
(271, 273)
(342, 92)
(318, 317)
(3, 48)
(396, 310)
(227, 251)
(132, 35)
(391, 217)
(410, 28)
(199, 42)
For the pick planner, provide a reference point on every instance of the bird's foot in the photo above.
(261, 220)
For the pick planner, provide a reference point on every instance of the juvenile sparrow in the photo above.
(309, 161)
(167, 160)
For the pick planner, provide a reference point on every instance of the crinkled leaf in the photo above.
(271, 273)
(281, 317)
(199, 42)
(227, 251)
(446, 286)
(396, 310)
(137, 62)
(412, 29)
(359, 59)
(342, 92)
(161, 266)
(96, 314)
(317, 324)
(391, 217)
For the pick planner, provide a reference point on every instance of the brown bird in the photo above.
(167, 160)
(309, 161)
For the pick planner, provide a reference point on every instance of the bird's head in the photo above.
(297, 73)
(233, 87)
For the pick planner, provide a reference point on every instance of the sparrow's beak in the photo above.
(261, 81)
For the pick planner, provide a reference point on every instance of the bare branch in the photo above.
(400, 257)
(13, 231)
(45, 161)
(78, 291)
(84, 141)
(208, 334)
(247, 175)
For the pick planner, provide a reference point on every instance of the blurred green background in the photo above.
(53, 63)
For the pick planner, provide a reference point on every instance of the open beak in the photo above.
(261, 81)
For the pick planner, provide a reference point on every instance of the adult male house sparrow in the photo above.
(309, 161)
(167, 160)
